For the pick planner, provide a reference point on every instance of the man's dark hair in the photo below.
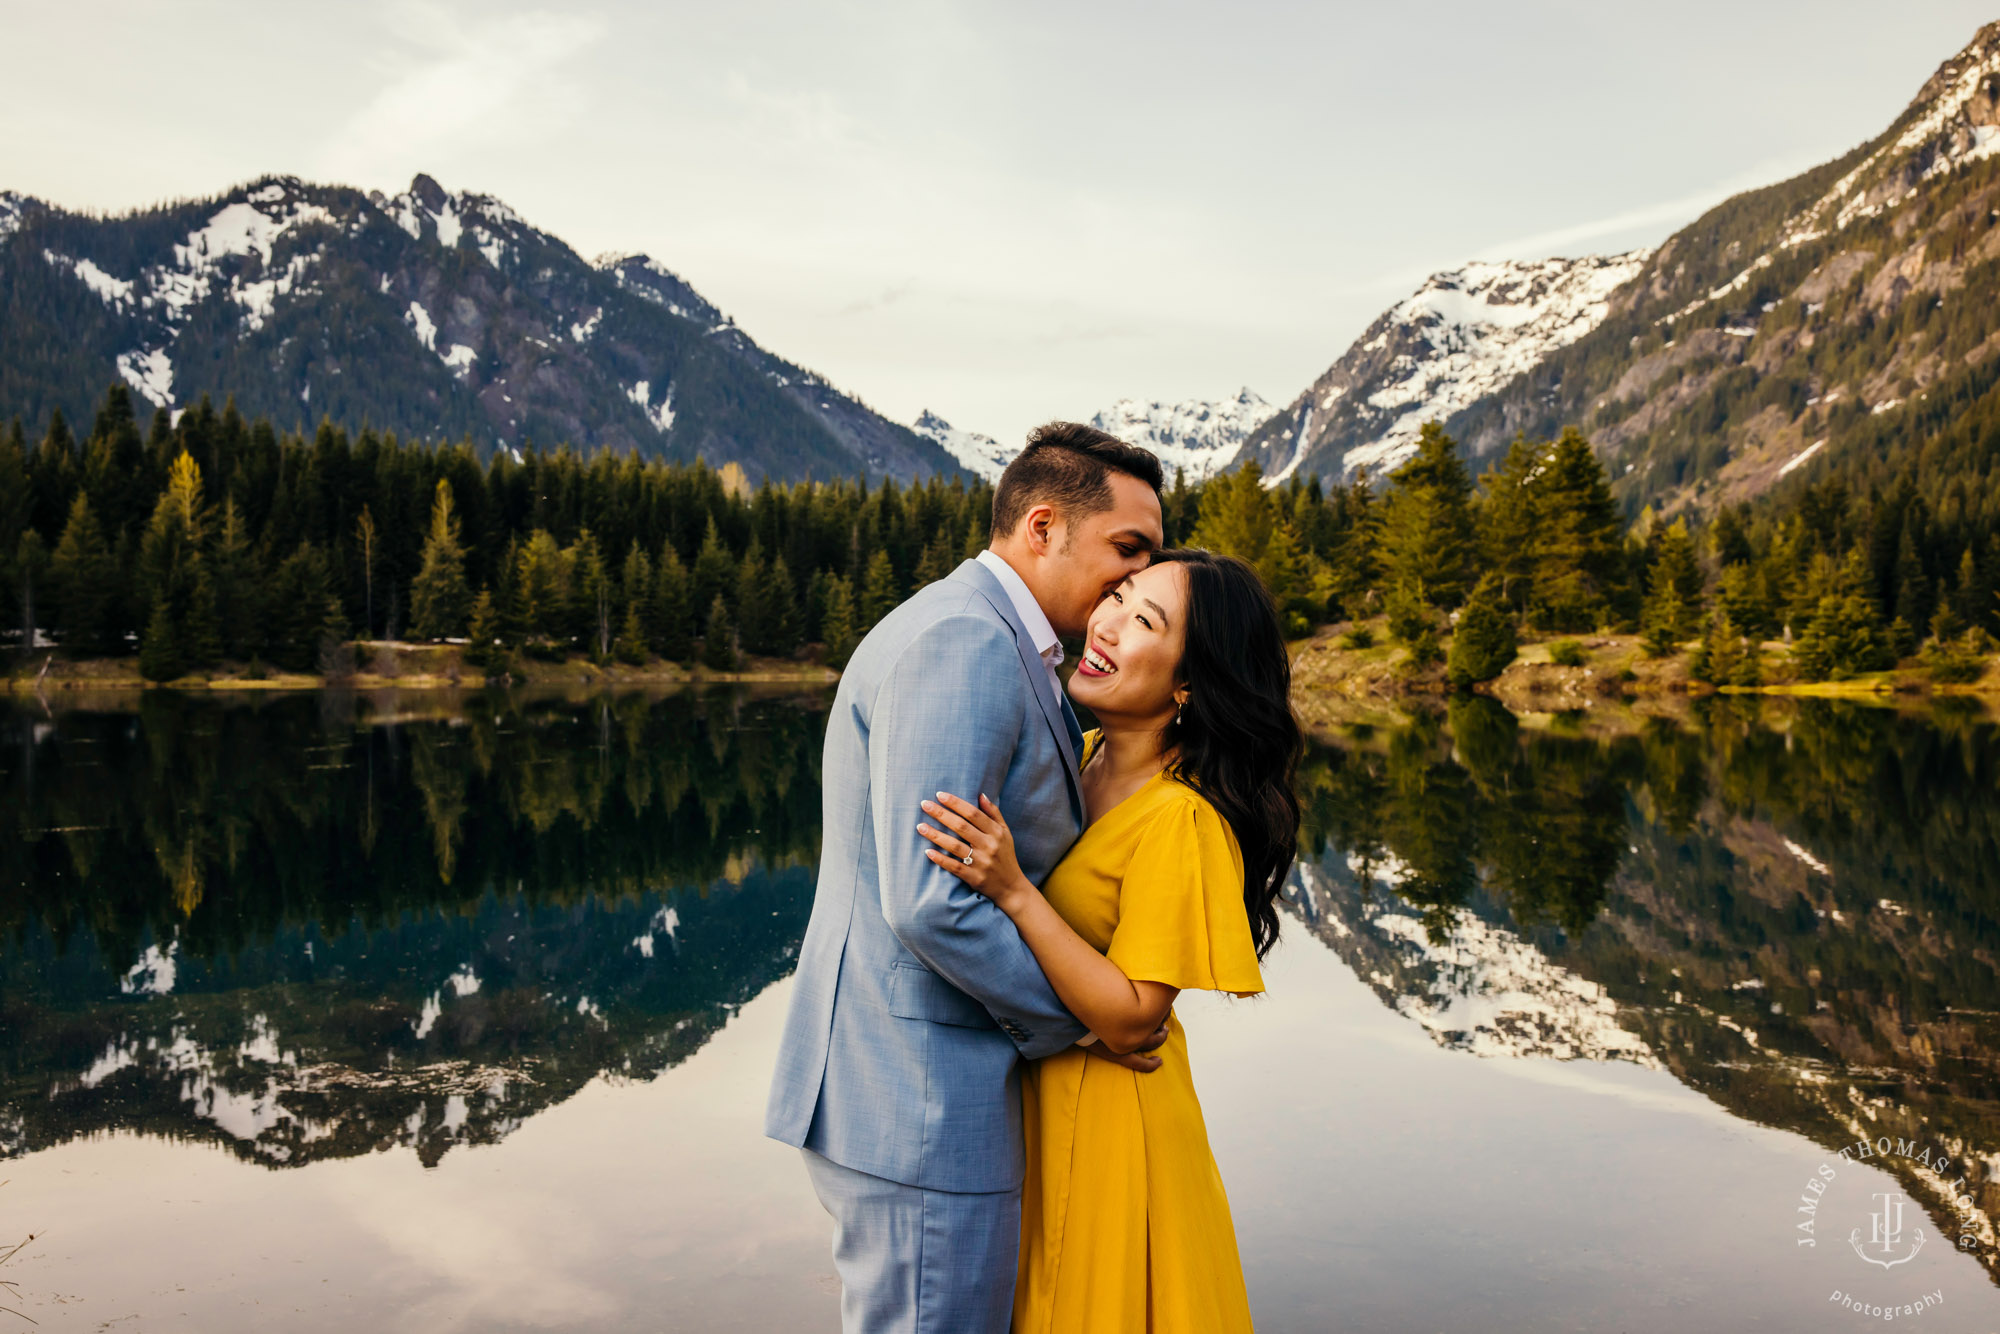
(1068, 465)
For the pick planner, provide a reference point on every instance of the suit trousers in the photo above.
(916, 1261)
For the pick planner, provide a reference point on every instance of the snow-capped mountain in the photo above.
(979, 454)
(1197, 435)
(1464, 334)
(429, 312)
(1850, 311)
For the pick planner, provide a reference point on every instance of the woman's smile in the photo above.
(1096, 662)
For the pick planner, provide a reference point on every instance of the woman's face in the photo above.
(1132, 649)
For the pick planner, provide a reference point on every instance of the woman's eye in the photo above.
(1120, 596)
(1143, 621)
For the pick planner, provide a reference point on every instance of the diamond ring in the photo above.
(967, 859)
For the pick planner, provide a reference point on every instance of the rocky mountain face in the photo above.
(981, 455)
(1196, 436)
(1464, 334)
(429, 313)
(1848, 310)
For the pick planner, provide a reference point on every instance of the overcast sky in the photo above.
(1004, 211)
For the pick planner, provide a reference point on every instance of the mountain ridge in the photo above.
(427, 312)
(1799, 326)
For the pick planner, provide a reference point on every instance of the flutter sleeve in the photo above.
(1181, 918)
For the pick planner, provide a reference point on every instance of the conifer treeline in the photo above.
(215, 538)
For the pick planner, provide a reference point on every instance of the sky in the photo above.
(1005, 212)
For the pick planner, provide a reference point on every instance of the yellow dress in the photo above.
(1124, 1223)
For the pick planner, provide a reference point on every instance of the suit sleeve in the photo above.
(946, 718)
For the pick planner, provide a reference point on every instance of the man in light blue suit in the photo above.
(915, 999)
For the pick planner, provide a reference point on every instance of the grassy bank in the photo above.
(1357, 661)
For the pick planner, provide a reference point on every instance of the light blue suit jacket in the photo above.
(915, 998)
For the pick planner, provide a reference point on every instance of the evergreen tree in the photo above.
(541, 585)
(718, 641)
(780, 610)
(484, 647)
(1507, 521)
(754, 614)
(591, 597)
(1673, 594)
(714, 568)
(1746, 598)
(160, 656)
(1577, 546)
(1411, 615)
(173, 570)
(81, 584)
(236, 580)
(294, 615)
(1725, 657)
(673, 613)
(1357, 552)
(1665, 624)
(439, 597)
(1845, 636)
(1241, 518)
(1427, 520)
(636, 630)
(630, 646)
(1484, 642)
(838, 631)
(880, 593)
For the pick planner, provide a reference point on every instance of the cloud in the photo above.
(456, 84)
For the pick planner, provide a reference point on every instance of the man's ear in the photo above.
(1041, 521)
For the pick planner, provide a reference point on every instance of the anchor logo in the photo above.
(1886, 1233)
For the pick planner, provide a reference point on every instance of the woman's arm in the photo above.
(1121, 1012)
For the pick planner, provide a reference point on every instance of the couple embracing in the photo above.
(981, 1065)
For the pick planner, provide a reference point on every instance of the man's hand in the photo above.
(1140, 1060)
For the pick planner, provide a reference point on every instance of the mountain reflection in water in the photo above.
(308, 928)
(1792, 906)
(312, 929)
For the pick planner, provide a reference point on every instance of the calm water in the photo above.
(430, 1013)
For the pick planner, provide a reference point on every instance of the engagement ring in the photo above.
(967, 859)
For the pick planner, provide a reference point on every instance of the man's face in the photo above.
(1100, 551)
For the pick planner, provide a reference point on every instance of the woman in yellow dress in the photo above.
(1192, 825)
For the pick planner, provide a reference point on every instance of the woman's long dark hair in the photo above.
(1238, 741)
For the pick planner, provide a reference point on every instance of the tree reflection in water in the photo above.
(317, 927)
(1793, 906)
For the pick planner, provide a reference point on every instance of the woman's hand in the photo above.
(982, 854)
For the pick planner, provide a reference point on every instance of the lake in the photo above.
(435, 1012)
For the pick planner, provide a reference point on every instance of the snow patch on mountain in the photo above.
(1465, 334)
(976, 453)
(1198, 435)
(1474, 330)
(12, 205)
(662, 416)
(1482, 989)
(113, 292)
(151, 373)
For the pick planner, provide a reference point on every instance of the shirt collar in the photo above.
(1043, 635)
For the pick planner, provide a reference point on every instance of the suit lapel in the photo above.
(1053, 713)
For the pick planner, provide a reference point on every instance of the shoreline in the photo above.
(409, 667)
